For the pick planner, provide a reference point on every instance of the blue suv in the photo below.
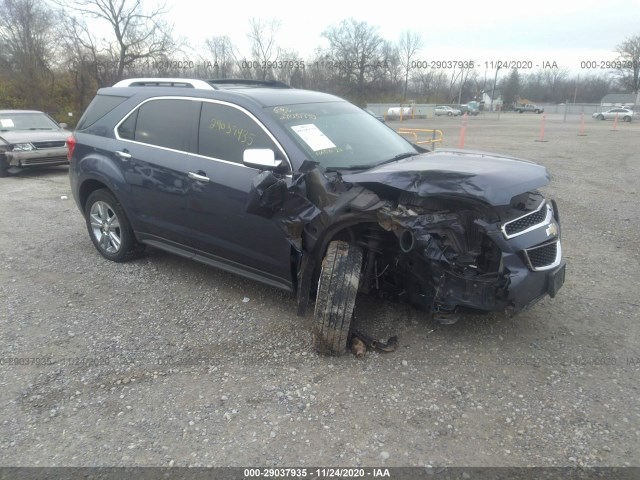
(306, 192)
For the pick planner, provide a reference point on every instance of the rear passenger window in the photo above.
(226, 132)
(165, 123)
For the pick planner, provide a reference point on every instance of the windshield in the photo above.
(341, 135)
(26, 121)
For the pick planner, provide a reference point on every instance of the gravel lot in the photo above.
(163, 361)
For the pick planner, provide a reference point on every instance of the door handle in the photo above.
(124, 155)
(200, 176)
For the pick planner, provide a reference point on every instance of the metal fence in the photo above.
(425, 110)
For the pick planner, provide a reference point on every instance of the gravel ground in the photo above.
(163, 362)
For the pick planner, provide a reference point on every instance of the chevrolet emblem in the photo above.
(552, 230)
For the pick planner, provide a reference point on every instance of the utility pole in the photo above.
(493, 92)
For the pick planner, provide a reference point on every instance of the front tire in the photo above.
(600, 117)
(627, 118)
(109, 227)
(4, 166)
(336, 298)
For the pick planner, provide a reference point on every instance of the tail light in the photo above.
(71, 146)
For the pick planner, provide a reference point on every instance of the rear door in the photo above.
(155, 142)
(219, 184)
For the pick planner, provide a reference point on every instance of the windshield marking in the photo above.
(7, 123)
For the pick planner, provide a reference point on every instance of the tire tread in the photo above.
(335, 301)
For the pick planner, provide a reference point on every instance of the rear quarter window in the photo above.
(98, 108)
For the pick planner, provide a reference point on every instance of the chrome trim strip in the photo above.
(546, 220)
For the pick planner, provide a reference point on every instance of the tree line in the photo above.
(52, 59)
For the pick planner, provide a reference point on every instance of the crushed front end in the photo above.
(454, 256)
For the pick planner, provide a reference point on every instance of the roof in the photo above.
(624, 98)
(496, 93)
(266, 94)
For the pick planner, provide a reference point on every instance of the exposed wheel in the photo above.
(600, 117)
(626, 118)
(4, 166)
(538, 111)
(449, 113)
(108, 226)
(337, 289)
(519, 111)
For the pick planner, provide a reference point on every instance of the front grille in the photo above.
(44, 161)
(56, 144)
(528, 221)
(543, 256)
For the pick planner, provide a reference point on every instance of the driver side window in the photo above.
(226, 132)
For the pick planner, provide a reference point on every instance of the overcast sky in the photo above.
(543, 30)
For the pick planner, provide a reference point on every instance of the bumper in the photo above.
(49, 156)
(527, 287)
(517, 290)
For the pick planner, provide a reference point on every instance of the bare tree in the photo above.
(27, 37)
(138, 34)
(629, 56)
(355, 47)
(555, 79)
(410, 43)
(82, 60)
(222, 53)
(264, 50)
(289, 68)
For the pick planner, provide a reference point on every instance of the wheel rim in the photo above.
(105, 227)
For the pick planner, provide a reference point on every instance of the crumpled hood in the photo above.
(28, 136)
(487, 177)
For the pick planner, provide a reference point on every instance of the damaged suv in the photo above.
(306, 192)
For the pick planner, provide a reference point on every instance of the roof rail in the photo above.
(164, 82)
(241, 82)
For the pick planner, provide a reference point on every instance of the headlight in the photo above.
(23, 147)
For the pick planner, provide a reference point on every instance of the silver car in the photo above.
(624, 114)
(444, 110)
(30, 138)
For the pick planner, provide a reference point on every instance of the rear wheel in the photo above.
(109, 227)
(337, 289)
(627, 118)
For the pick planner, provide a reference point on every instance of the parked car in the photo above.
(624, 114)
(30, 138)
(468, 109)
(528, 107)
(445, 110)
(306, 192)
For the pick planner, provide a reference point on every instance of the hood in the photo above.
(30, 136)
(487, 177)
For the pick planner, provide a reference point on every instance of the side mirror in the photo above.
(262, 158)
(63, 125)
